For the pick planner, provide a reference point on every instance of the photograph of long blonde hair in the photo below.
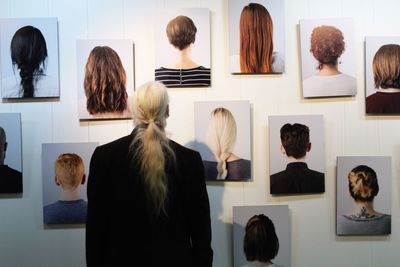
(221, 138)
(150, 145)
(105, 82)
(256, 45)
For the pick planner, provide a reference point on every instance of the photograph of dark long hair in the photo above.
(28, 53)
(105, 82)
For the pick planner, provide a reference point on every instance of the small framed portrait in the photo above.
(183, 47)
(29, 58)
(10, 153)
(257, 36)
(222, 131)
(382, 75)
(328, 61)
(261, 236)
(105, 79)
(297, 154)
(363, 200)
(65, 168)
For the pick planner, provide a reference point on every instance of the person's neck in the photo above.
(70, 195)
(184, 61)
(292, 159)
(389, 90)
(327, 70)
(364, 209)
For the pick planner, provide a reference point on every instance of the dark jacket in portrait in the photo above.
(10, 180)
(383, 103)
(238, 170)
(121, 228)
(297, 179)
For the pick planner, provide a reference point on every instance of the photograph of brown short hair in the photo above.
(183, 48)
(328, 58)
(261, 236)
(382, 68)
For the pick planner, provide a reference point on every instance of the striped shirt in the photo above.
(195, 77)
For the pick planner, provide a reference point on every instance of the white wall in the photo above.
(25, 242)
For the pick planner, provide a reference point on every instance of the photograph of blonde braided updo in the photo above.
(221, 137)
(151, 146)
(363, 183)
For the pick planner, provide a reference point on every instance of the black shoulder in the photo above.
(184, 152)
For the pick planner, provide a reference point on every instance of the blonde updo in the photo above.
(363, 183)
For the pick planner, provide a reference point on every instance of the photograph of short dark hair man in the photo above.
(29, 58)
(297, 177)
(10, 179)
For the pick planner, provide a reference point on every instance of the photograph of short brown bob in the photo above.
(105, 82)
(260, 241)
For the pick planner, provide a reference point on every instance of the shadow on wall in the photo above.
(222, 240)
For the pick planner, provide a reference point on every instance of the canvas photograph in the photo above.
(382, 76)
(328, 58)
(222, 132)
(183, 47)
(261, 236)
(363, 200)
(29, 58)
(256, 36)
(65, 169)
(105, 78)
(297, 154)
(10, 153)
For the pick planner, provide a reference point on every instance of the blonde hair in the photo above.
(69, 170)
(150, 145)
(363, 183)
(221, 137)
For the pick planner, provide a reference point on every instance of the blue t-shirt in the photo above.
(65, 212)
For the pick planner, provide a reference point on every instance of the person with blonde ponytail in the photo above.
(147, 198)
(365, 220)
(221, 138)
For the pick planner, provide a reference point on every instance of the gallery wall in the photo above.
(24, 241)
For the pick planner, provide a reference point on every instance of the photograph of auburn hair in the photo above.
(256, 37)
(328, 58)
(105, 81)
(256, 44)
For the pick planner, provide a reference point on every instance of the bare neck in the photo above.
(328, 70)
(365, 208)
(292, 159)
(184, 60)
(70, 195)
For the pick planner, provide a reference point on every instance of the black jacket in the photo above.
(297, 179)
(121, 229)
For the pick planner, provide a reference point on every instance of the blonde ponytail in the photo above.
(150, 145)
(221, 137)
